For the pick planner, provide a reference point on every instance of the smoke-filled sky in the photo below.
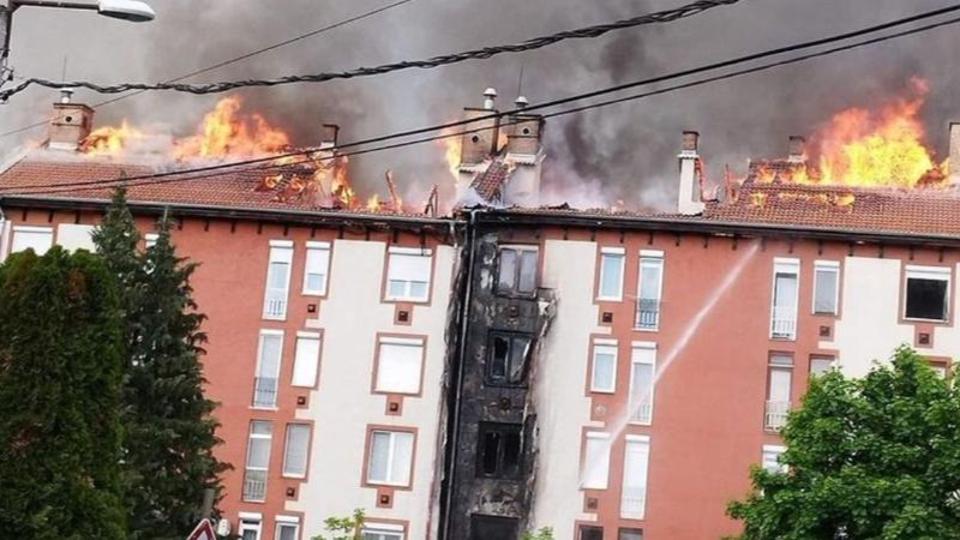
(625, 152)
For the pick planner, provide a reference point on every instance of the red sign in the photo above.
(203, 531)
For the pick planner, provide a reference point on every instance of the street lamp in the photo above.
(128, 10)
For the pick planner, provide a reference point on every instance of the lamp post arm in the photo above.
(55, 4)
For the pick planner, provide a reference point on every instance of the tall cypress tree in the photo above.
(169, 424)
(60, 377)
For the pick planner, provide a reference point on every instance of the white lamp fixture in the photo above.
(128, 10)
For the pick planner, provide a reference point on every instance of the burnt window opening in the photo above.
(630, 534)
(518, 271)
(500, 450)
(507, 359)
(926, 298)
(590, 533)
(493, 527)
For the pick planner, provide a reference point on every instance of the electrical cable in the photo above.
(180, 175)
(665, 16)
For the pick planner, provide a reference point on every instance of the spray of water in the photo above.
(642, 398)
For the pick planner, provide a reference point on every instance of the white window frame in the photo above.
(520, 249)
(258, 375)
(784, 266)
(607, 345)
(246, 462)
(831, 358)
(621, 255)
(280, 251)
(150, 240)
(602, 466)
(634, 359)
(942, 273)
(313, 364)
(249, 521)
(393, 529)
(829, 266)
(316, 247)
(776, 451)
(286, 450)
(287, 521)
(650, 255)
(391, 455)
(419, 343)
(407, 296)
(29, 229)
(776, 411)
(643, 440)
(79, 234)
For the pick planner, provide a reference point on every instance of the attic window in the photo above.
(500, 450)
(927, 293)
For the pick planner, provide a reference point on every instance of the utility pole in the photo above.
(6, 19)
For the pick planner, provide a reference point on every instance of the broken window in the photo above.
(588, 532)
(500, 450)
(518, 270)
(825, 287)
(927, 293)
(507, 359)
(493, 527)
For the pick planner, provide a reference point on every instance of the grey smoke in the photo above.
(625, 152)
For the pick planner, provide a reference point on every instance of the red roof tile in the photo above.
(489, 184)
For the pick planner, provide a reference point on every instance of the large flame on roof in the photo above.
(109, 140)
(858, 147)
(226, 132)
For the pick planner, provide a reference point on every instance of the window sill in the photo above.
(274, 318)
(641, 329)
(783, 338)
(929, 321)
(639, 423)
(380, 392)
(604, 392)
(250, 501)
(318, 294)
(407, 300)
(591, 488)
(259, 408)
(609, 299)
(387, 484)
(294, 476)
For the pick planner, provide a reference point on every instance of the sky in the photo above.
(623, 153)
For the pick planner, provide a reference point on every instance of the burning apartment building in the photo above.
(611, 374)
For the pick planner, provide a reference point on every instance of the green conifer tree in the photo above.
(60, 377)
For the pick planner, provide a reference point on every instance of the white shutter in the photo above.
(634, 495)
(409, 267)
(73, 237)
(40, 239)
(596, 461)
(399, 366)
(306, 361)
(317, 268)
(295, 455)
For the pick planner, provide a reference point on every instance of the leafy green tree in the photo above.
(169, 458)
(345, 528)
(544, 533)
(874, 458)
(60, 377)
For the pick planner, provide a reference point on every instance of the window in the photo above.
(399, 365)
(518, 270)
(295, 450)
(258, 462)
(611, 274)
(507, 359)
(826, 290)
(642, 372)
(630, 534)
(39, 239)
(588, 532)
(500, 450)
(306, 361)
(265, 383)
(73, 237)
(288, 528)
(150, 240)
(778, 391)
(940, 367)
(278, 280)
(408, 274)
(633, 497)
(649, 290)
(391, 458)
(250, 526)
(821, 365)
(384, 531)
(783, 319)
(771, 459)
(604, 369)
(596, 461)
(316, 268)
(927, 293)
(492, 527)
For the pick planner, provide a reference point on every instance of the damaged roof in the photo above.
(489, 183)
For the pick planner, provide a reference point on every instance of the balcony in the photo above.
(648, 314)
(784, 322)
(776, 415)
(255, 485)
(275, 305)
(265, 392)
(632, 502)
(642, 410)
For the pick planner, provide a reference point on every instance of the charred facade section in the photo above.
(490, 473)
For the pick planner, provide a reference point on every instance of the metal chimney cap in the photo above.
(66, 95)
(521, 102)
(490, 92)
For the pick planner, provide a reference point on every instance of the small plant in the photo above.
(344, 528)
(544, 533)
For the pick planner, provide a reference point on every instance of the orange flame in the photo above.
(109, 140)
(226, 132)
(452, 147)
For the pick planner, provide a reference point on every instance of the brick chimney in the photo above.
(953, 167)
(71, 123)
(797, 149)
(480, 143)
(690, 197)
(525, 153)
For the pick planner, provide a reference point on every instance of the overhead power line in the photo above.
(234, 60)
(269, 162)
(665, 16)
